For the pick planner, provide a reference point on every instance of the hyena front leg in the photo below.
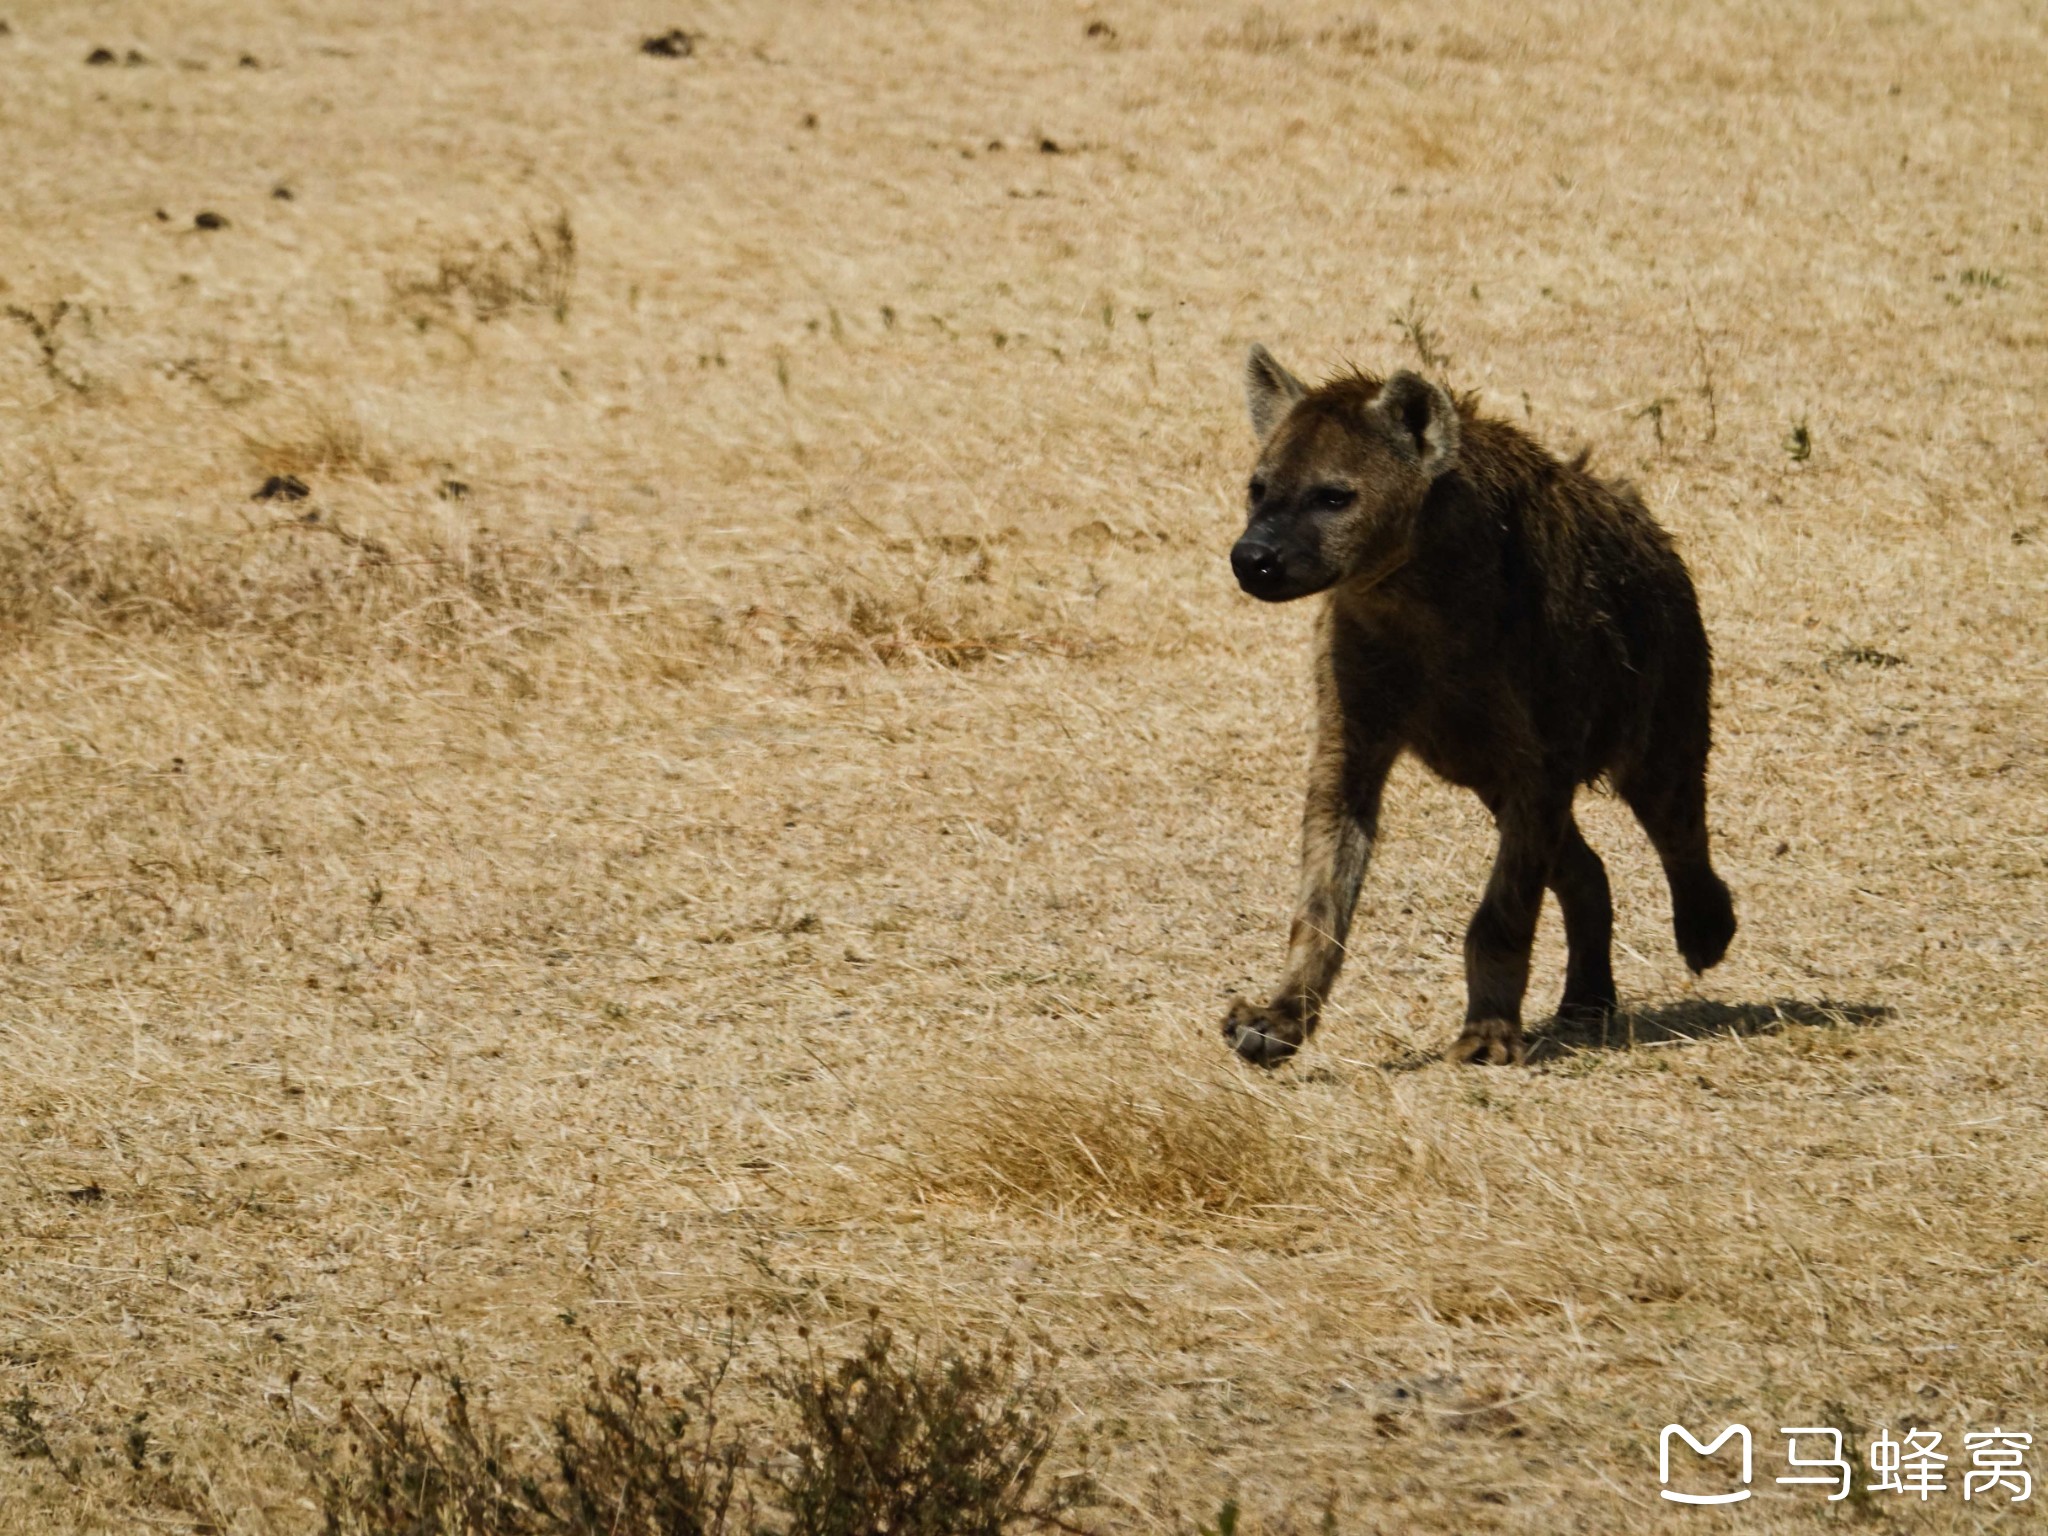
(1338, 827)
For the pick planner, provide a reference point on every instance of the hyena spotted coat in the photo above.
(1519, 624)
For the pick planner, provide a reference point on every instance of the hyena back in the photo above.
(1519, 624)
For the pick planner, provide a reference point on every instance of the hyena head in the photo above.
(1342, 474)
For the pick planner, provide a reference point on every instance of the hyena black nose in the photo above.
(1257, 565)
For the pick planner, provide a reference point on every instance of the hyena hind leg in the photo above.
(1672, 806)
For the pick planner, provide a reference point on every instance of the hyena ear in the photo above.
(1424, 420)
(1269, 390)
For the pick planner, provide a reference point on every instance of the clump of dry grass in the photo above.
(1175, 1148)
(303, 581)
(308, 580)
(1259, 31)
(321, 439)
(45, 327)
(483, 280)
(941, 602)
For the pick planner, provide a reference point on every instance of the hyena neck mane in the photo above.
(1514, 541)
(1577, 531)
(1508, 473)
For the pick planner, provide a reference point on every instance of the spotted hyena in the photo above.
(1523, 627)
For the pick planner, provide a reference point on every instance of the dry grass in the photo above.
(301, 581)
(481, 280)
(1124, 1151)
(744, 780)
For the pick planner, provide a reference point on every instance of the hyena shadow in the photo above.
(1699, 1018)
(1677, 1024)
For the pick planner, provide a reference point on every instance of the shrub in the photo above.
(629, 1460)
(947, 1446)
(882, 1440)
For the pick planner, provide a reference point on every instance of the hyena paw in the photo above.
(1490, 1043)
(1264, 1036)
(1704, 921)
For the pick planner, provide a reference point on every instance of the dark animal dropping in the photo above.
(672, 44)
(282, 488)
(209, 220)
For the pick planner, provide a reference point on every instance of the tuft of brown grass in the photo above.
(302, 581)
(914, 601)
(1134, 1148)
(319, 440)
(484, 280)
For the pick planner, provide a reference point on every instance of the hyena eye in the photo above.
(1256, 492)
(1333, 497)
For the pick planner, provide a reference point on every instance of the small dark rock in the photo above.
(162, 217)
(207, 219)
(282, 488)
(1048, 147)
(248, 61)
(672, 44)
(1102, 30)
(134, 58)
(102, 56)
(282, 193)
(454, 490)
(810, 119)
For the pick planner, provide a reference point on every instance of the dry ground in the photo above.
(746, 781)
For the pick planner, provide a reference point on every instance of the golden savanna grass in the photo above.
(745, 782)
